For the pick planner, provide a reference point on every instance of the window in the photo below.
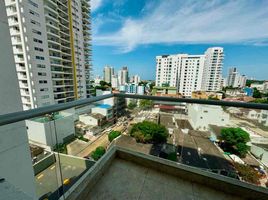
(36, 40)
(43, 89)
(34, 13)
(40, 66)
(36, 32)
(35, 22)
(33, 3)
(42, 81)
(38, 49)
(42, 74)
(40, 57)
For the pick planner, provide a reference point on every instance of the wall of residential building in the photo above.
(51, 58)
(16, 164)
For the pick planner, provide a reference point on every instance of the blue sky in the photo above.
(132, 32)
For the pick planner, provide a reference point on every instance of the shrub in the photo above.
(113, 134)
(98, 153)
(132, 105)
(146, 104)
(149, 132)
(247, 173)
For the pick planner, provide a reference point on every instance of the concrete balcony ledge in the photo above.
(124, 174)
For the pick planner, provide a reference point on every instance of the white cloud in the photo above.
(194, 22)
(95, 4)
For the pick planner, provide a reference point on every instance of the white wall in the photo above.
(16, 165)
(200, 116)
(44, 133)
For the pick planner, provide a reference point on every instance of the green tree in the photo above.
(256, 93)
(248, 83)
(98, 153)
(113, 134)
(235, 140)
(147, 132)
(132, 105)
(146, 104)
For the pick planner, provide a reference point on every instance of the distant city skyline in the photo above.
(131, 35)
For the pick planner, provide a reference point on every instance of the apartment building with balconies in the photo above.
(212, 74)
(182, 71)
(189, 73)
(50, 40)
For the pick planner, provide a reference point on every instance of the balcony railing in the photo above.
(67, 135)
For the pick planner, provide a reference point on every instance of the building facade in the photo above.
(182, 71)
(108, 72)
(115, 83)
(51, 48)
(212, 74)
(123, 76)
(235, 79)
(16, 164)
(136, 79)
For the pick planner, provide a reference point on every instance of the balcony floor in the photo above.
(127, 180)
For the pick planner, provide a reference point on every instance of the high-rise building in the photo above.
(16, 164)
(114, 81)
(136, 79)
(108, 72)
(182, 71)
(190, 73)
(212, 73)
(235, 79)
(123, 76)
(51, 47)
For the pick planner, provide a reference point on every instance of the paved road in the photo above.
(101, 141)
(49, 180)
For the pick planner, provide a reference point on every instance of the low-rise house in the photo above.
(250, 113)
(262, 87)
(94, 119)
(200, 116)
(104, 109)
(206, 95)
(166, 92)
(263, 119)
(235, 92)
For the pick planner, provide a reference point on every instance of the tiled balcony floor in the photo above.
(127, 180)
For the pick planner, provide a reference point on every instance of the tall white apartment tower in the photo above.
(123, 76)
(182, 71)
(190, 74)
(16, 163)
(108, 72)
(212, 73)
(51, 47)
(235, 79)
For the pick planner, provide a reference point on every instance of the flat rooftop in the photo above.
(124, 174)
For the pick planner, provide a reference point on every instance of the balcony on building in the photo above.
(129, 169)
